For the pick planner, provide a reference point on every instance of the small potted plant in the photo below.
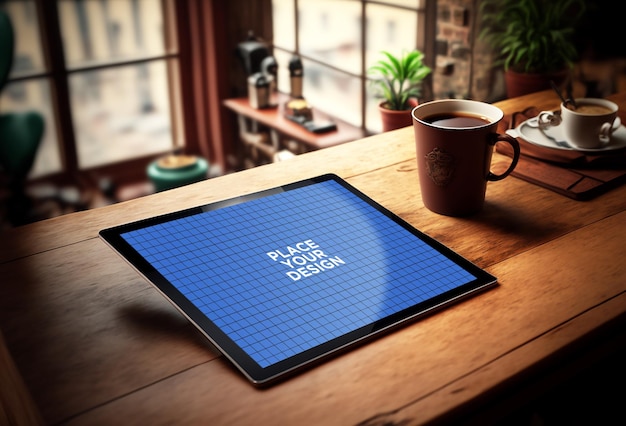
(399, 83)
(534, 40)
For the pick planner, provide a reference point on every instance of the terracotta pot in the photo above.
(518, 84)
(394, 119)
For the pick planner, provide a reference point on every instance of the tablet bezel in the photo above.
(256, 374)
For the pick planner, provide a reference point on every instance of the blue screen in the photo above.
(287, 272)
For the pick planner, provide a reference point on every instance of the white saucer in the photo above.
(553, 137)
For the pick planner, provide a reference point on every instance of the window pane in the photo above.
(284, 26)
(373, 121)
(121, 113)
(34, 95)
(282, 59)
(391, 29)
(27, 57)
(96, 31)
(330, 31)
(333, 92)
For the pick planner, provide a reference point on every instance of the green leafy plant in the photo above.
(532, 36)
(399, 78)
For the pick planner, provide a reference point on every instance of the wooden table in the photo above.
(95, 344)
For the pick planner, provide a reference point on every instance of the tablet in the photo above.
(280, 280)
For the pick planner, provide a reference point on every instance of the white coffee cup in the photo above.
(589, 125)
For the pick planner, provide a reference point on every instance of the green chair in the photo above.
(7, 42)
(20, 137)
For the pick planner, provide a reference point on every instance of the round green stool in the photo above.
(173, 171)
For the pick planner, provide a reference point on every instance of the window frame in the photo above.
(425, 42)
(190, 51)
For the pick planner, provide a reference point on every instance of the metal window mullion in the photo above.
(363, 76)
(296, 21)
(52, 45)
(172, 64)
(118, 64)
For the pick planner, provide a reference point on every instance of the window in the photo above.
(102, 72)
(338, 40)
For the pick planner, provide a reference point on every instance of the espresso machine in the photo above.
(251, 52)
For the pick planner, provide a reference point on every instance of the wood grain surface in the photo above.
(95, 344)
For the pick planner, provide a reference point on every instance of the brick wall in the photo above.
(463, 63)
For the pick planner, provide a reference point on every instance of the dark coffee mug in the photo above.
(454, 140)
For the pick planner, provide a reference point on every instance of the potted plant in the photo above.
(399, 83)
(534, 40)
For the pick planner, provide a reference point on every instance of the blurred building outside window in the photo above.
(116, 67)
(338, 40)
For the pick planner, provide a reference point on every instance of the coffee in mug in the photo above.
(457, 120)
(454, 140)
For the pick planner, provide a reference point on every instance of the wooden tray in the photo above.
(577, 175)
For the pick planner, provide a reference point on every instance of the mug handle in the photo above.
(516, 153)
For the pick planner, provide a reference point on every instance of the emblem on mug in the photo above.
(440, 166)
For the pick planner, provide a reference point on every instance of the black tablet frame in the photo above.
(256, 374)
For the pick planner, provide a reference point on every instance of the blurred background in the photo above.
(120, 83)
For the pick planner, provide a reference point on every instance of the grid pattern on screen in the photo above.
(287, 272)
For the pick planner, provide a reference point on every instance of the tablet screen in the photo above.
(282, 278)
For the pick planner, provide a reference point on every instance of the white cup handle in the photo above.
(616, 123)
(607, 130)
(547, 119)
